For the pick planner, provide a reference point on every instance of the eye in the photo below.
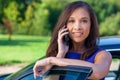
(84, 21)
(71, 21)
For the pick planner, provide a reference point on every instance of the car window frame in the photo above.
(71, 68)
(115, 56)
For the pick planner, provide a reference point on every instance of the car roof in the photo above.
(110, 42)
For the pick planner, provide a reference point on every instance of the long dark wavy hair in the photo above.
(91, 40)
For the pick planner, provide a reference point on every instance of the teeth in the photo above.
(77, 33)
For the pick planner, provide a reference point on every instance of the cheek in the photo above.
(87, 27)
(69, 28)
(87, 30)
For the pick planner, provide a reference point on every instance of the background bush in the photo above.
(38, 17)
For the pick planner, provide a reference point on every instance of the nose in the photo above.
(77, 26)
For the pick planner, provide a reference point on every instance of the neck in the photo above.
(78, 47)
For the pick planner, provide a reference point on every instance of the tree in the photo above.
(104, 8)
(55, 7)
(111, 25)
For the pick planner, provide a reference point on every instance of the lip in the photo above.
(77, 34)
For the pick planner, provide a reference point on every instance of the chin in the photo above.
(77, 40)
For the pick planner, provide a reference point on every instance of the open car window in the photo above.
(62, 73)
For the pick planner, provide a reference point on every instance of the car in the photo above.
(109, 43)
(74, 72)
(112, 44)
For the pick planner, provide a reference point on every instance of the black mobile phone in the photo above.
(66, 39)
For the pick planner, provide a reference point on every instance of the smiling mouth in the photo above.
(77, 34)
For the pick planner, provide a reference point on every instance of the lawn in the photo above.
(22, 49)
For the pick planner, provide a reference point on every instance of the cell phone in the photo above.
(66, 39)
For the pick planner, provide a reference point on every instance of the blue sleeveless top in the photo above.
(75, 55)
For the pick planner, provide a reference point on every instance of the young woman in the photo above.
(78, 21)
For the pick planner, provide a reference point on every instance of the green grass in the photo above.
(22, 49)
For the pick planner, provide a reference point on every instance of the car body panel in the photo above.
(55, 70)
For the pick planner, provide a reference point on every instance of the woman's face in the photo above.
(78, 25)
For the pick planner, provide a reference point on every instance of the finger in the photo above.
(63, 30)
(35, 75)
(35, 70)
(44, 71)
(64, 27)
(64, 34)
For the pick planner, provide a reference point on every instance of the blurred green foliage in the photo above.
(38, 17)
(108, 14)
(111, 25)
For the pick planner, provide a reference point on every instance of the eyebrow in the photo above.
(81, 18)
(85, 18)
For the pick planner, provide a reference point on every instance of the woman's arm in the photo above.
(100, 67)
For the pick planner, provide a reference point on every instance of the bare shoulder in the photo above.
(103, 55)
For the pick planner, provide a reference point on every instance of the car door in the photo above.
(68, 72)
(114, 73)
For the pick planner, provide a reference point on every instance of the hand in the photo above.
(62, 48)
(45, 64)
